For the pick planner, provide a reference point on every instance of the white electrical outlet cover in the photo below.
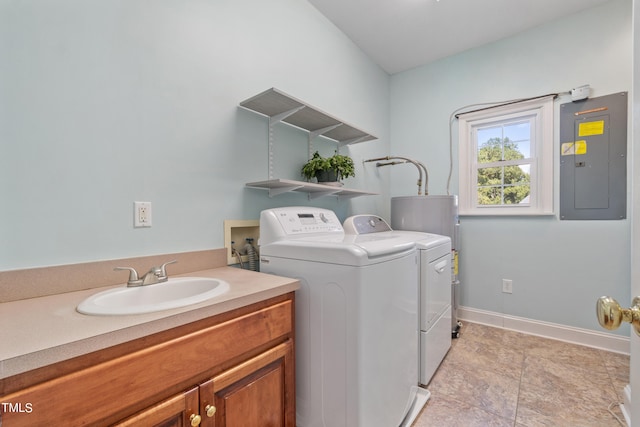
(141, 214)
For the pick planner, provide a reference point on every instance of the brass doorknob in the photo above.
(611, 315)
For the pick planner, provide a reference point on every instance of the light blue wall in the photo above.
(106, 102)
(558, 268)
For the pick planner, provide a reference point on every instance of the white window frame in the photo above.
(540, 113)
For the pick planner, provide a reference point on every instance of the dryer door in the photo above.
(435, 288)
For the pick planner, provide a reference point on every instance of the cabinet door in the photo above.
(178, 411)
(257, 393)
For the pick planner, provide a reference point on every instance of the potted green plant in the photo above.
(331, 169)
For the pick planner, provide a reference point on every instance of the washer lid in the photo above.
(348, 250)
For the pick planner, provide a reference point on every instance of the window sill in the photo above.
(510, 213)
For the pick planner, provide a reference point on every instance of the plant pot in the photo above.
(327, 176)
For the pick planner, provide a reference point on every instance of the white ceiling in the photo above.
(402, 34)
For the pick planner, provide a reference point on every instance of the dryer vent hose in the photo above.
(252, 255)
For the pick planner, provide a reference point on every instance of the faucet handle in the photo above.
(133, 275)
(163, 270)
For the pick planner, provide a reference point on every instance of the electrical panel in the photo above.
(593, 158)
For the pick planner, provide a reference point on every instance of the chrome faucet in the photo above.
(153, 276)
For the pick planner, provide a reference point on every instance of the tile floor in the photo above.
(494, 377)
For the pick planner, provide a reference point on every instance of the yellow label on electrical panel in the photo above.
(591, 128)
(568, 149)
(576, 147)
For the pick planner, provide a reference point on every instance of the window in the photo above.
(506, 159)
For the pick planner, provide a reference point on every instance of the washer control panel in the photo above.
(279, 223)
(296, 222)
(365, 224)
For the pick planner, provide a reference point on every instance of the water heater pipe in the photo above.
(417, 164)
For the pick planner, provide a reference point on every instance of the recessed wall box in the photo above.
(237, 231)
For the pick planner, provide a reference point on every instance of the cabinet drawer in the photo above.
(113, 390)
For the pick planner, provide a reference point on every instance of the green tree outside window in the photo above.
(502, 185)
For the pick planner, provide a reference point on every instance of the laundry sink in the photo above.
(175, 292)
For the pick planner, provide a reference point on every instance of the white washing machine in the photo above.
(434, 289)
(356, 317)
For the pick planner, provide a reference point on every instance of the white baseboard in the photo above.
(586, 337)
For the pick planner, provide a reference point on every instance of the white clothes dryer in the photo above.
(356, 315)
(434, 288)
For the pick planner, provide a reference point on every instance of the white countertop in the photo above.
(40, 331)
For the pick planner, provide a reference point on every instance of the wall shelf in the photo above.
(279, 186)
(280, 107)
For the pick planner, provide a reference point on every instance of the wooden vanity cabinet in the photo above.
(252, 394)
(237, 371)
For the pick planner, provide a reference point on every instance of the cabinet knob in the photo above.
(195, 420)
(211, 410)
